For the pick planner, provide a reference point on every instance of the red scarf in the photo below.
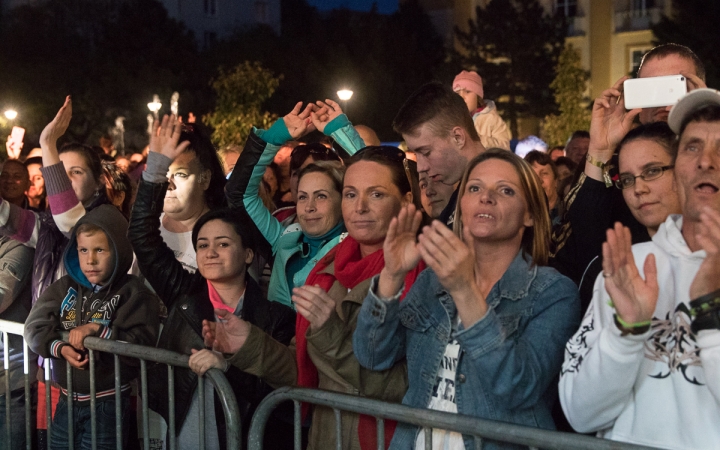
(350, 270)
(215, 299)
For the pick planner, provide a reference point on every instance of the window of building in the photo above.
(210, 7)
(567, 8)
(635, 55)
(209, 39)
(261, 11)
(640, 7)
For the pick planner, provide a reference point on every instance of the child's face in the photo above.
(471, 98)
(96, 257)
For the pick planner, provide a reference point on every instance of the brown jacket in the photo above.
(330, 349)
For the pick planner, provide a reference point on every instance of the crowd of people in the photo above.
(577, 288)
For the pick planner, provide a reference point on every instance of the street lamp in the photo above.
(344, 95)
(11, 114)
(155, 105)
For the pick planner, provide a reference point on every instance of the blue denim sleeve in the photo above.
(517, 370)
(379, 340)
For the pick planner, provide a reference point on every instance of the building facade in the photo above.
(611, 35)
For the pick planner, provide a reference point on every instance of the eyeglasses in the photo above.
(627, 180)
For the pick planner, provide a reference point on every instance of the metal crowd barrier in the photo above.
(481, 430)
(144, 354)
(7, 328)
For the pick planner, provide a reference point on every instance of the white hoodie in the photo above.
(661, 388)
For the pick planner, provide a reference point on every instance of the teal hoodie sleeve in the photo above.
(343, 132)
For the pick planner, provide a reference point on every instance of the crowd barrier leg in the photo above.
(8, 399)
(118, 404)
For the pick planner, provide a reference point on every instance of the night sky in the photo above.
(384, 6)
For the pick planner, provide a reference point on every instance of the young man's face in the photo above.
(14, 181)
(96, 257)
(440, 157)
(697, 168)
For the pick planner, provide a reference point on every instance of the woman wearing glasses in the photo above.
(298, 247)
(378, 183)
(483, 329)
(645, 163)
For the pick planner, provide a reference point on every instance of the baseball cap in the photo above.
(694, 100)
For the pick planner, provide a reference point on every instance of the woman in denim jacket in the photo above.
(484, 327)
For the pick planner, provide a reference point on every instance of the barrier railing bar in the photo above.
(93, 402)
(297, 428)
(201, 411)
(8, 402)
(118, 404)
(144, 394)
(472, 426)
(380, 424)
(48, 397)
(12, 327)
(478, 443)
(338, 429)
(216, 377)
(70, 404)
(28, 404)
(171, 406)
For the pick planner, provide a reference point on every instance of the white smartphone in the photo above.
(654, 92)
(17, 135)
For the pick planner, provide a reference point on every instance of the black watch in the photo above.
(706, 321)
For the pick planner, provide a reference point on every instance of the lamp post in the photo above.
(345, 95)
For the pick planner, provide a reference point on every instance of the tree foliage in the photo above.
(514, 45)
(693, 23)
(381, 58)
(569, 87)
(111, 56)
(240, 94)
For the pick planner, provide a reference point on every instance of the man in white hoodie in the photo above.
(644, 367)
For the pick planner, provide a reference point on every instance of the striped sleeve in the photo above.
(55, 348)
(64, 204)
(19, 224)
(104, 332)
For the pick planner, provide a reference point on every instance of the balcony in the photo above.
(637, 19)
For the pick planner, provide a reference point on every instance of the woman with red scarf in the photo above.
(375, 188)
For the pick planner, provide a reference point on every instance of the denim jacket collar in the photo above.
(514, 284)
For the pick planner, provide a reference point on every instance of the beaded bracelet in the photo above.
(705, 303)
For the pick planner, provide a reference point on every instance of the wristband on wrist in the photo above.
(631, 328)
(705, 303)
(604, 166)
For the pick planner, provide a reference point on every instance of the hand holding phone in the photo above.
(653, 92)
(14, 143)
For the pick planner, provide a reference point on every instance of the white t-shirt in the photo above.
(443, 399)
(181, 245)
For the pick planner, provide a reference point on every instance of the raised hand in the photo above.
(325, 113)
(707, 279)
(203, 360)
(693, 81)
(634, 297)
(73, 357)
(165, 137)
(610, 121)
(13, 148)
(228, 335)
(298, 120)
(52, 132)
(78, 334)
(314, 304)
(452, 260)
(400, 250)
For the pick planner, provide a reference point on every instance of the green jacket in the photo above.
(242, 192)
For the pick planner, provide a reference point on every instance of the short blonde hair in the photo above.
(536, 239)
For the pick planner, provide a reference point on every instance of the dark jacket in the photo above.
(591, 208)
(188, 303)
(124, 307)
